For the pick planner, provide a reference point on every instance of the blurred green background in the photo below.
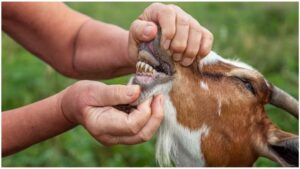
(264, 35)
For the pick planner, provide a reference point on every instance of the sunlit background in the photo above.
(265, 35)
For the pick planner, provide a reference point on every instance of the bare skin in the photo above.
(66, 44)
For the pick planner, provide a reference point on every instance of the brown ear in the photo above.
(282, 147)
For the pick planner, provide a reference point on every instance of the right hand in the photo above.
(90, 103)
(181, 33)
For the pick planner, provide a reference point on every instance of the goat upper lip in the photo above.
(157, 64)
(144, 55)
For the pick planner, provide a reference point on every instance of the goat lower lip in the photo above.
(142, 79)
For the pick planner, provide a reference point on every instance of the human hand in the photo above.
(181, 33)
(90, 103)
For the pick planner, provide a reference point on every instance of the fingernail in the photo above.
(132, 90)
(166, 44)
(148, 29)
(187, 61)
(177, 56)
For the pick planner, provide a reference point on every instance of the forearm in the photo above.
(73, 44)
(25, 126)
(45, 29)
(102, 51)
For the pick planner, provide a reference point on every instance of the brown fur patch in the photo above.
(230, 141)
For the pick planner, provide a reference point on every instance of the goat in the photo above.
(214, 111)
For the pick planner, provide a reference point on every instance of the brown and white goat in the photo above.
(214, 111)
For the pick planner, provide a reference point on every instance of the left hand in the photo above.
(181, 33)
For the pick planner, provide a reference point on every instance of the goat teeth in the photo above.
(138, 66)
(143, 65)
(146, 67)
(151, 69)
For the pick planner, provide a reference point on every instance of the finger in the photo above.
(137, 119)
(109, 95)
(156, 118)
(193, 46)
(140, 31)
(110, 121)
(180, 40)
(206, 43)
(143, 31)
(108, 140)
(151, 127)
(106, 120)
(166, 17)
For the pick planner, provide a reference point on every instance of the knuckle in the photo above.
(204, 52)
(134, 127)
(183, 20)
(178, 45)
(81, 84)
(198, 30)
(195, 24)
(134, 24)
(167, 9)
(210, 36)
(169, 34)
(191, 53)
(155, 5)
(172, 6)
(144, 137)
(135, 28)
(159, 116)
(117, 91)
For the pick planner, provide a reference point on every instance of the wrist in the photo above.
(62, 106)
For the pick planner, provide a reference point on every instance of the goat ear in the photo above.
(283, 147)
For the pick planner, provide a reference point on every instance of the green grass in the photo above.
(264, 35)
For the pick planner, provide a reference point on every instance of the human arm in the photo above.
(51, 32)
(81, 47)
(86, 103)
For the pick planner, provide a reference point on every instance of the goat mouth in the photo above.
(146, 74)
(150, 68)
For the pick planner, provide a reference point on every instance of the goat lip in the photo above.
(145, 55)
(146, 81)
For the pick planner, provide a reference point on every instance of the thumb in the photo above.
(140, 31)
(118, 94)
(143, 31)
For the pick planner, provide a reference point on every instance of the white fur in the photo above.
(203, 85)
(219, 107)
(213, 58)
(178, 143)
(175, 142)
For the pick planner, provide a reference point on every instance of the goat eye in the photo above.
(248, 85)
